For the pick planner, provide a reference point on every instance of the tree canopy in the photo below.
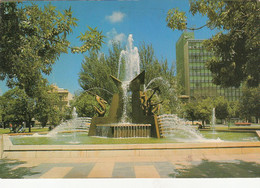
(249, 104)
(17, 106)
(33, 38)
(236, 47)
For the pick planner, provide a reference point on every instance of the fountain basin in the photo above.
(126, 150)
(81, 138)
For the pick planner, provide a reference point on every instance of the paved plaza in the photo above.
(126, 167)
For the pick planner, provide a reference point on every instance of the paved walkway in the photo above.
(126, 167)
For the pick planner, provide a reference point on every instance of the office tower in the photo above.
(193, 75)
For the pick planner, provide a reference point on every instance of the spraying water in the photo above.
(99, 88)
(131, 70)
(213, 120)
(74, 113)
(125, 86)
(132, 61)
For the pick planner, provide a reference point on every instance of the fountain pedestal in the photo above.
(111, 126)
(123, 130)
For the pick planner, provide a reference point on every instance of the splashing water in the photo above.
(131, 70)
(154, 80)
(74, 124)
(176, 128)
(79, 123)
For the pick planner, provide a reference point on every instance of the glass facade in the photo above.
(193, 75)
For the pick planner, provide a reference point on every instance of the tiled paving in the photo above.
(113, 168)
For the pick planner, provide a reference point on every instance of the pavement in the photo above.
(123, 167)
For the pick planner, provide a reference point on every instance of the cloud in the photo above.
(116, 37)
(116, 16)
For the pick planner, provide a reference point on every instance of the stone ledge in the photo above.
(10, 147)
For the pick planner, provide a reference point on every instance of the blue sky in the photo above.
(145, 19)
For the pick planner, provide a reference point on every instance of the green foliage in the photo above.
(18, 106)
(234, 109)
(157, 73)
(249, 103)
(221, 108)
(176, 19)
(96, 70)
(204, 110)
(92, 39)
(199, 109)
(84, 104)
(31, 41)
(48, 107)
(236, 46)
(67, 112)
(190, 110)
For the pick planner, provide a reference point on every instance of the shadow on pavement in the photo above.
(8, 170)
(212, 169)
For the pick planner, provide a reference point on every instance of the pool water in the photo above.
(231, 136)
(80, 138)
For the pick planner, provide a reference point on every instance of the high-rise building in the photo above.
(193, 75)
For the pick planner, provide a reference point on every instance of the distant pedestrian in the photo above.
(11, 127)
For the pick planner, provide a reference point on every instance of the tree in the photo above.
(19, 107)
(48, 107)
(95, 76)
(2, 111)
(234, 109)
(249, 103)
(96, 70)
(32, 39)
(190, 110)
(204, 110)
(84, 104)
(221, 108)
(236, 47)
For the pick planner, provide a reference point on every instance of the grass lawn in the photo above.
(33, 130)
(4, 131)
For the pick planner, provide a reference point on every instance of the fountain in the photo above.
(140, 120)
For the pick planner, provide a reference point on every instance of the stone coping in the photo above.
(8, 146)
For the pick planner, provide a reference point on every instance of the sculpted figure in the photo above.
(102, 103)
(148, 107)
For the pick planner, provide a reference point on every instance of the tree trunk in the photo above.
(28, 124)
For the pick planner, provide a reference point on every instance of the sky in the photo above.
(144, 19)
